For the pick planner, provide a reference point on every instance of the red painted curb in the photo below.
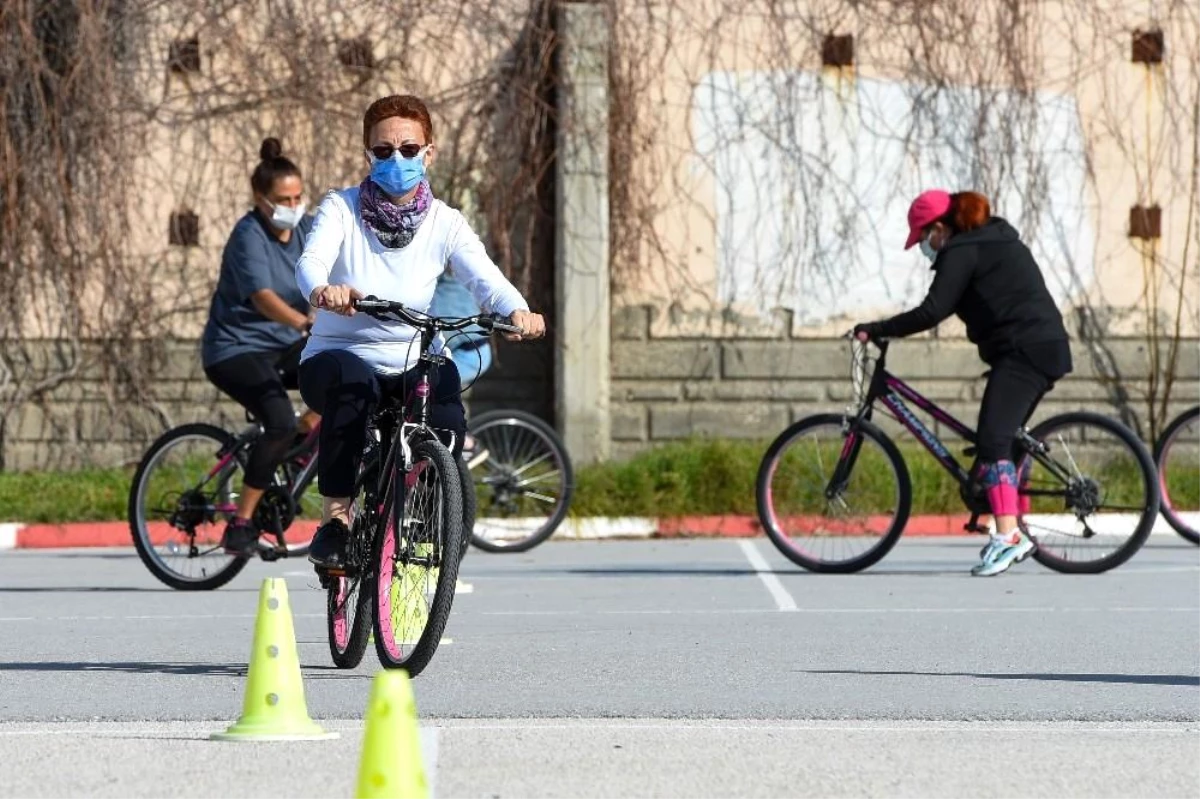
(116, 534)
(748, 526)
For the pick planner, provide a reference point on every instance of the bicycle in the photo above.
(186, 489)
(406, 534)
(522, 475)
(858, 508)
(1180, 473)
(523, 478)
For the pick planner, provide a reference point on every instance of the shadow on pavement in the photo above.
(656, 571)
(1125, 679)
(111, 589)
(133, 667)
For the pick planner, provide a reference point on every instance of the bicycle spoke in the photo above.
(530, 464)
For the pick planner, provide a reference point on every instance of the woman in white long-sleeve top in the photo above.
(387, 237)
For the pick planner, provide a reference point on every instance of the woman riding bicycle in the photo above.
(257, 316)
(985, 275)
(390, 238)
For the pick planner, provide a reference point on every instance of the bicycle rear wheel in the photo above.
(523, 479)
(833, 496)
(181, 497)
(348, 617)
(1090, 500)
(1177, 456)
(417, 551)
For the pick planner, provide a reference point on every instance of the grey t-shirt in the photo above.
(253, 260)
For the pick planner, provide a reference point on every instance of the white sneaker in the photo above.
(1000, 554)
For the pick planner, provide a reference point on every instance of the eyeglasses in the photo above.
(385, 151)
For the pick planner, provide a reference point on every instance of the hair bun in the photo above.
(270, 149)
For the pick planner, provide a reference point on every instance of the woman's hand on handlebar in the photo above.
(866, 332)
(338, 298)
(532, 325)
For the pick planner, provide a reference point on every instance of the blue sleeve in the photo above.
(245, 261)
(451, 299)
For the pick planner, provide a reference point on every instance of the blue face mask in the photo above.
(927, 249)
(398, 175)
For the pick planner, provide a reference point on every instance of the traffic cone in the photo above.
(274, 707)
(391, 764)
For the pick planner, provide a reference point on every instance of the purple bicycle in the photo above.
(834, 492)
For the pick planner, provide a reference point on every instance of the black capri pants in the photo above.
(342, 388)
(259, 382)
(1016, 384)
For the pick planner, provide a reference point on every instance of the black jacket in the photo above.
(988, 278)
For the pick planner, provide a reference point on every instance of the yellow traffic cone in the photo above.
(391, 764)
(274, 708)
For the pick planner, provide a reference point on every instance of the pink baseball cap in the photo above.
(929, 207)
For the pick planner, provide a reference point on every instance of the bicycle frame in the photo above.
(893, 392)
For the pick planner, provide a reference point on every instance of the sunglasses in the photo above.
(385, 151)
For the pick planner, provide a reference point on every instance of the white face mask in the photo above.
(927, 248)
(286, 218)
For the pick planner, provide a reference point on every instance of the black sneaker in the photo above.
(328, 547)
(240, 538)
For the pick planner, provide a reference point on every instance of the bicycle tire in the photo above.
(348, 641)
(555, 444)
(385, 555)
(1162, 449)
(769, 518)
(1149, 477)
(470, 504)
(138, 528)
(347, 645)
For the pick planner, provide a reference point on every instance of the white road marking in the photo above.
(782, 598)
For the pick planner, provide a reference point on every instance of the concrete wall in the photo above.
(662, 389)
(93, 420)
(672, 388)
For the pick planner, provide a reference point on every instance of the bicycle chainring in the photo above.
(974, 496)
(275, 512)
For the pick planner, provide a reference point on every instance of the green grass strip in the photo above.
(697, 477)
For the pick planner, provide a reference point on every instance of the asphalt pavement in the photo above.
(664, 668)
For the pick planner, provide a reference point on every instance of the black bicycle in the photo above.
(523, 478)
(834, 492)
(1177, 455)
(186, 489)
(413, 500)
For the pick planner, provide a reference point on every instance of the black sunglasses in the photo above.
(385, 151)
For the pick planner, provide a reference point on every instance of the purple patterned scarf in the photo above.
(395, 225)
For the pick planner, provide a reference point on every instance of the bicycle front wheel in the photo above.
(1177, 456)
(182, 495)
(417, 551)
(833, 495)
(523, 479)
(1089, 500)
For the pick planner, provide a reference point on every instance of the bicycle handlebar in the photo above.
(373, 306)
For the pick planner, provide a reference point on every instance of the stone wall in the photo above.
(666, 388)
(663, 388)
(96, 418)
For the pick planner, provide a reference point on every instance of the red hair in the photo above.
(405, 106)
(968, 210)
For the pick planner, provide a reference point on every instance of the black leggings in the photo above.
(254, 380)
(342, 388)
(1014, 388)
